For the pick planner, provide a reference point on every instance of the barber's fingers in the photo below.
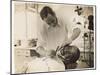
(66, 43)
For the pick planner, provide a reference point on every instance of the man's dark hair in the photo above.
(45, 11)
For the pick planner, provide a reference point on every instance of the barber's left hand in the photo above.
(66, 43)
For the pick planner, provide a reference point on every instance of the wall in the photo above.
(25, 23)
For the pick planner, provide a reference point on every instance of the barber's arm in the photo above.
(41, 39)
(75, 34)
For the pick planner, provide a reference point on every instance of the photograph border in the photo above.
(95, 48)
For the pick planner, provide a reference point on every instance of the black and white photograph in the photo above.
(52, 37)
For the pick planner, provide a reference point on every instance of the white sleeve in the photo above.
(40, 31)
(41, 37)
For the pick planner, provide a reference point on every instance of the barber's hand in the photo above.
(66, 43)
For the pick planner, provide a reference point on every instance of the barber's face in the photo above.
(51, 20)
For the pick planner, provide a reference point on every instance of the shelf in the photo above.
(25, 48)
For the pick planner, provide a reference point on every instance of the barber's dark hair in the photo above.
(45, 11)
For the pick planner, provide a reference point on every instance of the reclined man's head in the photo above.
(41, 51)
(51, 53)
